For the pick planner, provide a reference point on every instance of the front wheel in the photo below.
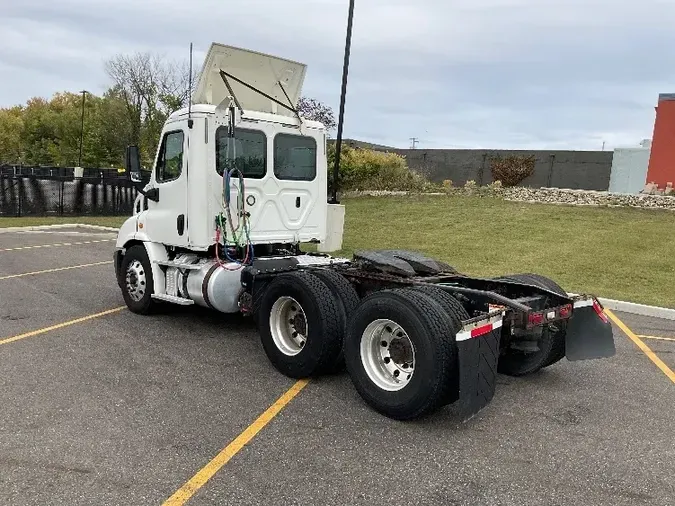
(136, 280)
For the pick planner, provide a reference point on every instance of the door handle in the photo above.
(180, 224)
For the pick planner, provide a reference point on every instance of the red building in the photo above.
(662, 158)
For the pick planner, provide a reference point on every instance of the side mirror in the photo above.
(133, 164)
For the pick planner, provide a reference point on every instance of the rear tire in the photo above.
(552, 340)
(347, 299)
(413, 373)
(136, 281)
(299, 324)
(457, 313)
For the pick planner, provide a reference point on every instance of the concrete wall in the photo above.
(588, 170)
(629, 170)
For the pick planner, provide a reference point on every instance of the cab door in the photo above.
(165, 221)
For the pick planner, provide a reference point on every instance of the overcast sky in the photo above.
(539, 74)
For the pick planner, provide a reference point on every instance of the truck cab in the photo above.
(280, 160)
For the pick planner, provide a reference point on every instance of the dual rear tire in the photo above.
(397, 345)
(550, 339)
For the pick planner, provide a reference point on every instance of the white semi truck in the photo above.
(239, 185)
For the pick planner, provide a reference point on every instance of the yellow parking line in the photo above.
(60, 325)
(658, 338)
(20, 248)
(53, 270)
(184, 493)
(640, 344)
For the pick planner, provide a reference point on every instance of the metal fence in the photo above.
(23, 194)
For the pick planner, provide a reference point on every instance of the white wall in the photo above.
(629, 170)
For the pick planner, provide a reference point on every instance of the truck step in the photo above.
(173, 299)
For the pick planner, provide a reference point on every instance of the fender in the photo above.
(157, 252)
(127, 232)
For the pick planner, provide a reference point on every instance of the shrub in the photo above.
(367, 169)
(511, 170)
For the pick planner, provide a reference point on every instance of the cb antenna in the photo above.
(190, 91)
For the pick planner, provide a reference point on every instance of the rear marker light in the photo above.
(535, 318)
(565, 311)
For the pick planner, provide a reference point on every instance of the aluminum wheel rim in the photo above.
(387, 355)
(136, 281)
(288, 325)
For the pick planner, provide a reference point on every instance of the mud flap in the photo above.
(477, 356)
(589, 333)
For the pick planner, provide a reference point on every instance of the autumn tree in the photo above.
(312, 109)
(151, 88)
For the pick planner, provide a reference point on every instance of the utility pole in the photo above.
(345, 71)
(413, 142)
(79, 163)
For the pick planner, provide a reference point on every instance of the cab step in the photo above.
(173, 299)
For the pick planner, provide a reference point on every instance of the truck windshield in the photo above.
(249, 148)
(294, 157)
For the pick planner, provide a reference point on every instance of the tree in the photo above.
(11, 133)
(312, 109)
(151, 88)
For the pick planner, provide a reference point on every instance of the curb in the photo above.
(639, 309)
(59, 225)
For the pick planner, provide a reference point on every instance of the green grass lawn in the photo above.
(617, 253)
(621, 253)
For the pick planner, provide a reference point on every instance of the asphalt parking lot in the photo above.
(115, 408)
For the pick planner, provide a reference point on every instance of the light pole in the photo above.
(79, 163)
(345, 71)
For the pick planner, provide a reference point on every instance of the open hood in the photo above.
(260, 71)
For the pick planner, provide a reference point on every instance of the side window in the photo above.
(170, 161)
(249, 149)
(294, 157)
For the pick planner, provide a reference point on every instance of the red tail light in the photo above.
(600, 311)
(565, 311)
(535, 318)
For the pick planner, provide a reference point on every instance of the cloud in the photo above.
(454, 73)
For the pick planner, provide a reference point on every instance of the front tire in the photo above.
(299, 325)
(136, 281)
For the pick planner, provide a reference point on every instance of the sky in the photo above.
(485, 74)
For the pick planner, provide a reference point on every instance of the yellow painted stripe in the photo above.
(640, 344)
(60, 325)
(54, 270)
(658, 338)
(20, 248)
(184, 493)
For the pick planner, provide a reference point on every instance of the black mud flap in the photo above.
(477, 362)
(589, 333)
